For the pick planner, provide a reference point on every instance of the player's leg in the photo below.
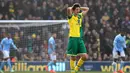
(80, 62)
(72, 52)
(115, 59)
(9, 64)
(50, 63)
(54, 61)
(1, 66)
(122, 59)
(72, 63)
(54, 58)
(6, 58)
(83, 55)
(2, 62)
(6, 55)
(114, 63)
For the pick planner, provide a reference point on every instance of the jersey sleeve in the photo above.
(0, 47)
(14, 46)
(81, 15)
(2, 42)
(124, 44)
(69, 17)
(51, 41)
(115, 42)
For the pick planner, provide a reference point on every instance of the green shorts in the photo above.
(76, 46)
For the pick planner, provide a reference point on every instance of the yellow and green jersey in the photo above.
(75, 23)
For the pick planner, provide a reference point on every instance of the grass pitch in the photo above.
(56, 72)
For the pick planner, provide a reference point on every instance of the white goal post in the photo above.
(6, 23)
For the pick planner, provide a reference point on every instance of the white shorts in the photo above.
(5, 54)
(115, 54)
(52, 57)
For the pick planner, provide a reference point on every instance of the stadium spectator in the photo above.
(20, 15)
(105, 18)
(95, 57)
(126, 23)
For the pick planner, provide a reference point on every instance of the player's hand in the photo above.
(126, 51)
(118, 52)
(17, 50)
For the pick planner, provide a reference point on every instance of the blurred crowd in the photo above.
(32, 42)
(103, 21)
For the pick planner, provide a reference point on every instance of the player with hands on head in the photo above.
(76, 45)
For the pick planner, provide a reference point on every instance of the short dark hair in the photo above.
(122, 29)
(75, 6)
(53, 32)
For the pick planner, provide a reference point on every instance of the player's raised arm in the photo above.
(84, 10)
(69, 11)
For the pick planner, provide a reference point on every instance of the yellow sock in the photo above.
(72, 64)
(79, 64)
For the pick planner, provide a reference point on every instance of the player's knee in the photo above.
(115, 60)
(85, 57)
(5, 59)
(54, 61)
(122, 59)
(73, 58)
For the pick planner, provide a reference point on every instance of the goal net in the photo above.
(31, 37)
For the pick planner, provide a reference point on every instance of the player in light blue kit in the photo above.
(52, 52)
(118, 51)
(5, 45)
